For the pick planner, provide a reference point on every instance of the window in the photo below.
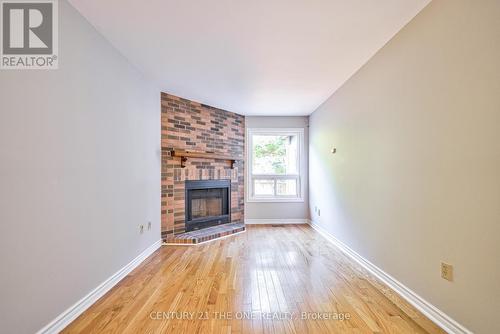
(274, 165)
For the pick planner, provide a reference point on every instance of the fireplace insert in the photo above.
(208, 203)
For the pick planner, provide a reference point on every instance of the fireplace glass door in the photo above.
(207, 203)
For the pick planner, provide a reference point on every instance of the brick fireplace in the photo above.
(190, 126)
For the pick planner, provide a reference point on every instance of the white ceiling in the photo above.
(253, 57)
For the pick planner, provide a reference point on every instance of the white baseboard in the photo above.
(65, 318)
(429, 310)
(251, 221)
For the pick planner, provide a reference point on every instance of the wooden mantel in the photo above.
(184, 155)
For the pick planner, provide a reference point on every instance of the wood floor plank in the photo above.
(261, 281)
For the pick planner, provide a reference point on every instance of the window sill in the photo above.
(275, 200)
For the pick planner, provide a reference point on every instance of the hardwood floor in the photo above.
(264, 279)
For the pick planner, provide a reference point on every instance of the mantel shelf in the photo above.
(184, 155)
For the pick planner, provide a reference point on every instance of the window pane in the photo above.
(286, 187)
(275, 154)
(264, 187)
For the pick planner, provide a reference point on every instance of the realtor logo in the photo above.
(29, 34)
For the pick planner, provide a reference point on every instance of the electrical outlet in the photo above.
(315, 209)
(149, 225)
(319, 212)
(447, 271)
(141, 229)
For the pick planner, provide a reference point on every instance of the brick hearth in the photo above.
(206, 234)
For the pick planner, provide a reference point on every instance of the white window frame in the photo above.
(299, 132)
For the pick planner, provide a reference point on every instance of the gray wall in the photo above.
(416, 177)
(79, 171)
(292, 210)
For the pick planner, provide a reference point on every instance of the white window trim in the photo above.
(300, 176)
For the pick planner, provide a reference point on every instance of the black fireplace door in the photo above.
(207, 203)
